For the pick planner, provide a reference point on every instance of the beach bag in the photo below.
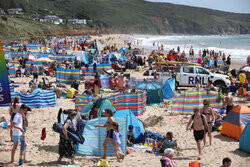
(101, 163)
(75, 136)
(152, 135)
(194, 164)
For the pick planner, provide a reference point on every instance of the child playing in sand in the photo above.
(117, 141)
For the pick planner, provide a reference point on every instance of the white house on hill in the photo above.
(77, 21)
(53, 19)
(15, 11)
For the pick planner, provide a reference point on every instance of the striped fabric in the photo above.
(12, 72)
(67, 76)
(99, 67)
(18, 54)
(94, 137)
(35, 63)
(59, 58)
(136, 102)
(32, 46)
(81, 101)
(43, 56)
(135, 81)
(39, 98)
(195, 60)
(185, 102)
(12, 88)
(66, 47)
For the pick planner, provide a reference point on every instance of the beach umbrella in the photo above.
(44, 59)
(31, 57)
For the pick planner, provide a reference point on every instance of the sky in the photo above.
(236, 6)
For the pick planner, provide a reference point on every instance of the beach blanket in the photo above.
(67, 76)
(12, 72)
(99, 67)
(38, 98)
(185, 102)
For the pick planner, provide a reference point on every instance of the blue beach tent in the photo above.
(245, 139)
(111, 59)
(85, 58)
(102, 104)
(123, 58)
(154, 92)
(168, 88)
(123, 50)
(132, 120)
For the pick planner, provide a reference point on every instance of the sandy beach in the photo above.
(45, 153)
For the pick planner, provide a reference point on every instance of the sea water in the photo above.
(238, 46)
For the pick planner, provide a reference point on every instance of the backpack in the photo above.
(202, 118)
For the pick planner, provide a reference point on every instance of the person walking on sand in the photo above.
(209, 113)
(35, 73)
(117, 142)
(66, 145)
(108, 125)
(17, 125)
(199, 125)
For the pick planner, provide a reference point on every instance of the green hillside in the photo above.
(138, 16)
(20, 27)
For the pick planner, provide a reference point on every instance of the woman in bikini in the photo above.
(210, 116)
(109, 129)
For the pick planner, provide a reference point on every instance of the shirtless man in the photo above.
(228, 101)
(199, 124)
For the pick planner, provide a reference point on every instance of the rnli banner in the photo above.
(4, 81)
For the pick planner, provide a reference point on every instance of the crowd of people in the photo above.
(201, 122)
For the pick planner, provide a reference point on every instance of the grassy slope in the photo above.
(18, 27)
(139, 16)
(148, 17)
